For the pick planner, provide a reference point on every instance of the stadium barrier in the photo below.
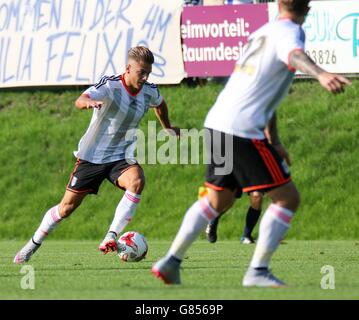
(213, 37)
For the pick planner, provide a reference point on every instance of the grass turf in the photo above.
(40, 129)
(76, 270)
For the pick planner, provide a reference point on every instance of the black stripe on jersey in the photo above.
(152, 85)
(104, 80)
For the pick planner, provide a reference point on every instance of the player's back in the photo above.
(260, 80)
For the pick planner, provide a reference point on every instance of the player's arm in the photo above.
(271, 133)
(85, 102)
(161, 113)
(332, 82)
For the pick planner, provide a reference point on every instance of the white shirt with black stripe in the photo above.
(107, 139)
(260, 81)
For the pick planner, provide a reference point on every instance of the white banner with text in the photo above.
(75, 42)
(332, 34)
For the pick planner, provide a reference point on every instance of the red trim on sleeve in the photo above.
(291, 68)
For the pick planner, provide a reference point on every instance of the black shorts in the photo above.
(256, 166)
(87, 177)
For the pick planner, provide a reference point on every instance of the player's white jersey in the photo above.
(261, 79)
(105, 139)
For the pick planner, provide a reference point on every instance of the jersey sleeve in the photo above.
(291, 41)
(156, 98)
(98, 91)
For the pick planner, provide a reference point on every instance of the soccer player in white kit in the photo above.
(106, 151)
(242, 112)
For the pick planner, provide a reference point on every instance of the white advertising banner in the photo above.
(332, 34)
(75, 42)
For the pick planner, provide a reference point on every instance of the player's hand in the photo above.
(283, 153)
(332, 82)
(90, 104)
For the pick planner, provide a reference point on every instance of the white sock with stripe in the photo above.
(125, 211)
(273, 227)
(50, 220)
(194, 222)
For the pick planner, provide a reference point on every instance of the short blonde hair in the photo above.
(295, 6)
(141, 54)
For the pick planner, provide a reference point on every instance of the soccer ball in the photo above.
(132, 247)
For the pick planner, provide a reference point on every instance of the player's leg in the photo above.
(194, 222)
(252, 216)
(49, 222)
(273, 227)
(221, 195)
(211, 229)
(85, 178)
(130, 178)
(275, 222)
(220, 151)
(262, 169)
(197, 217)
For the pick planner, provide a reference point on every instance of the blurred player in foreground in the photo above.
(243, 109)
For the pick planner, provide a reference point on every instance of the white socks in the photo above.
(123, 215)
(50, 220)
(194, 222)
(125, 211)
(272, 229)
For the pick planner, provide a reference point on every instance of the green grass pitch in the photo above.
(76, 270)
(39, 131)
